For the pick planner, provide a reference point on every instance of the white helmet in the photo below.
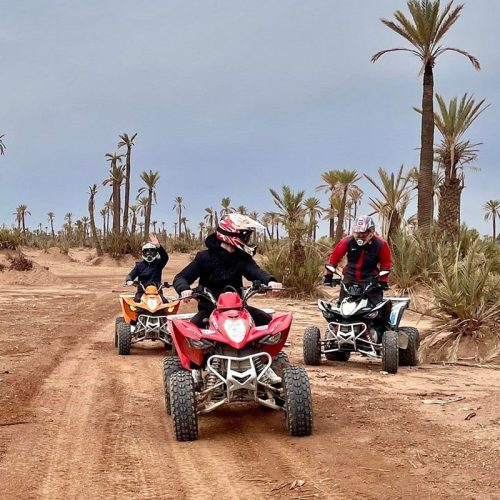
(363, 229)
(149, 252)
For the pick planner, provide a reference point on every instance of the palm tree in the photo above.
(93, 229)
(128, 142)
(69, 220)
(150, 179)
(492, 211)
(226, 207)
(395, 199)
(116, 176)
(178, 206)
(2, 145)
(425, 32)
(201, 226)
(346, 183)
(154, 225)
(103, 213)
(21, 213)
(184, 221)
(175, 230)
(242, 210)
(50, 218)
(314, 211)
(292, 213)
(134, 210)
(211, 218)
(108, 206)
(331, 182)
(453, 153)
(85, 223)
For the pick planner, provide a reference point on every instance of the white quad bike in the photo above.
(355, 325)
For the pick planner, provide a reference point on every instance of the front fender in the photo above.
(181, 330)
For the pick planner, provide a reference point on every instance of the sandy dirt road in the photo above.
(77, 420)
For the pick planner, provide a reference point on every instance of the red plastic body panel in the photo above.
(229, 300)
(183, 329)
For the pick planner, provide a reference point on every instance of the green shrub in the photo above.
(466, 300)
(19, 262)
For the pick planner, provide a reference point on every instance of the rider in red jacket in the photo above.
(367, 255)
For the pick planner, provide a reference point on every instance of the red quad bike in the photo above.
(144, 320)
(232, 360)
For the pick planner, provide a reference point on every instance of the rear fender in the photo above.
(181, 331)
(127, 303)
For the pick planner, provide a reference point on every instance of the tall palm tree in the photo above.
(395, 199)
(346, 181)
(154, 225)
(50, 218)
(151, 180)
(128, 142)
(425, 31)
(103, 213)
(211, 218)
(93, 229)
(175, 230)
(314, 211)
(453, 153)
(178, 206)
(184, 222)
(241, 210)
(85, 224)
(108, 206)
(330, 178)
(492, 211)
(201, 226)
(2, 145)
(21, 213)
(116, 176)
(226, 207)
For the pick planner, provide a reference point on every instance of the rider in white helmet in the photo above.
(367, 255)
(148, 271)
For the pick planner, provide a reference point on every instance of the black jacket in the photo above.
(149, 272)
(216, 268)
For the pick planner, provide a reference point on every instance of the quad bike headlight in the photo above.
(200, 344)
(152, 302)
(271, 339)
(235, 329)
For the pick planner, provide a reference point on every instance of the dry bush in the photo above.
(10, 239)
(19, 262)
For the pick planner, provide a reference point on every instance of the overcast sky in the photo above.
(229, 98)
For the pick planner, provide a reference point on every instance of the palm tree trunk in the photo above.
(134, 224)
(127, 191)
(340, 223)
(425, 193)
(97, 243)
(180, 222)
(147, 218)
(494, 227)
(52, 229)
(116, 208)
(449, 208)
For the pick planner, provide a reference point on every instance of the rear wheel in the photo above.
(338, 356)
(183, 406)
(409, 356)
(298, 401)
(118, 321)
(390, 352)
(170, 365)
(312, 346)
(124, 339)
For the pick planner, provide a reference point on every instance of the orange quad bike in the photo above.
(144, 320)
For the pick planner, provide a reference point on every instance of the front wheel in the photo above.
(124, 339)
(312, 346)
(298, 401)
(170, 365)
(390, 352)
(183, 406)
(409, 356)
(118, 321)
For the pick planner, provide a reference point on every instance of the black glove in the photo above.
(383, 285)
(328, 279)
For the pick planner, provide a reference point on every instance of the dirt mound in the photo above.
(38, 275)
(107, 261)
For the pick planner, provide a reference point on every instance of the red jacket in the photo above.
(363, 262)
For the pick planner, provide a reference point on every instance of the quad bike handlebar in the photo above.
(165, 284)
(201, 292)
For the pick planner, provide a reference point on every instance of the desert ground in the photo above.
(79, 421)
